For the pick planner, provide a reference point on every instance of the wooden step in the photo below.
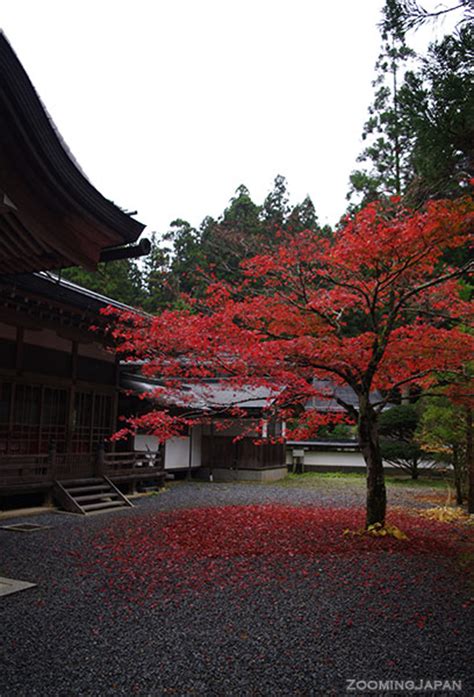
(102, 506)
(93, 497)
(88, 495)
(87, 489)
(81, 482)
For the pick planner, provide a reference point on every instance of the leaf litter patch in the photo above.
(154, 559)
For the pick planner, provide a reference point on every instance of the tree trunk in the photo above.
(414, 469)
(457, 476)
(470, 460)
(370, 447)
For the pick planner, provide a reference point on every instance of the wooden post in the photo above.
(298, 461)
(299, 466)
(100, 460)
(71, 405)
(190, 455)
(52, 459)
(51, 465)
(20, 335)
(211, 459)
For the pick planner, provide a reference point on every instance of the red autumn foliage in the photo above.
(157, 557)
(375, 306)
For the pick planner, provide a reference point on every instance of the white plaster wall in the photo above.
(177, 451)
(146, 443)
(331, 459)
(336, 459)
(266, 475)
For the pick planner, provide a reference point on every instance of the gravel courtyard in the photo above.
(235, 589)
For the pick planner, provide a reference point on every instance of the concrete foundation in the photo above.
(221, 474)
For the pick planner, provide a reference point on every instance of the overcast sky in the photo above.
(169, 105)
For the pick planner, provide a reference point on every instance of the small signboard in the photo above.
(298, 453)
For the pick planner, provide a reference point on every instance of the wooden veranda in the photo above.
(38, 472)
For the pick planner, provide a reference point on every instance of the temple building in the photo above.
(59, 381)
(221, 446)
(61, 386)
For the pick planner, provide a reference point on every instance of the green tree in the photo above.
(386, 157)
(186, 256)
(420, 130)
(415, 15)
(242, 213)
(276, 207)
(443, 431)
(120, 280)
(233, 237)
(337, 433)
(159, 286)
(217, 248)
(398, 427)
(437, 100)
(303, 217)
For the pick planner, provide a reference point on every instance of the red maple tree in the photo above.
(375, 306)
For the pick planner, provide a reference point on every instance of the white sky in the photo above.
(169, 105)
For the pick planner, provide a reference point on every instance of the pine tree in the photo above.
(186, 256)
(159, 287)
(276, 208)
(389, 135)
(438, 100)
(303, 217)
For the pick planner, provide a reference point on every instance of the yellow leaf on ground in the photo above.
(378, 530)
(443, 514)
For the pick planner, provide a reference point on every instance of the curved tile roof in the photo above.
(51, 216)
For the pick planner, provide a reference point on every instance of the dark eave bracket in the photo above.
(128, 252)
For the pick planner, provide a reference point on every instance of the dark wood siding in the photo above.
(46, 361)
(7, 354)
(93, 370)
(33, 416)
(222, 451)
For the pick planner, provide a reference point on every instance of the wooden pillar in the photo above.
(92, 421)
(211, 458)
(190, 455)
(115, 400)
(100, 460)
(52, 459)
(20, 334)
(71, 397)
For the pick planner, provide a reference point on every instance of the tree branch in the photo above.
(434, 282)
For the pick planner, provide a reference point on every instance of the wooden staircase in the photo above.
(91, 495)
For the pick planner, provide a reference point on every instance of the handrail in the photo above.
(22, 468)
(19, 456)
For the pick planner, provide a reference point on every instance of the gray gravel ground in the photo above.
(288, 637)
